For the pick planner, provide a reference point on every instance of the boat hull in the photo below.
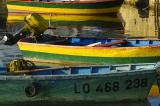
(105, 7)
(78, 88)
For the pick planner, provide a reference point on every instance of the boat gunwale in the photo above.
(88, 47)
(75, 76)
(67, 2)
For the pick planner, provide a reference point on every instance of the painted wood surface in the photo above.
(135, 51)
(98, 7)
(114, 85)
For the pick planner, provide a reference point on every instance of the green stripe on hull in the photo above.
(72, 5)
(84, 59)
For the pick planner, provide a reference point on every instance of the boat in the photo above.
(89, 50)
(109, 83)
(66, 7)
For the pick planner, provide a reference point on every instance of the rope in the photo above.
(20, 64)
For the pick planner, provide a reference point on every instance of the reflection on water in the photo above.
(130, 22)
(74, 25)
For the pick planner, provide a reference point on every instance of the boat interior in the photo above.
(90, 41)
(88, 70)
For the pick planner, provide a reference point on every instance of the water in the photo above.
(131, 22)
(154, 101)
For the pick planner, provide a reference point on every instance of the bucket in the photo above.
(35, 23)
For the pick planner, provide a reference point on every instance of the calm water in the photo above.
(130, 22)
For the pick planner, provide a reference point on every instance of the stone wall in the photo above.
(150, 3)
(138, 23)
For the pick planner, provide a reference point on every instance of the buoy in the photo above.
(20, 65)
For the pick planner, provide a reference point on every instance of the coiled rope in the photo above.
(20, 64)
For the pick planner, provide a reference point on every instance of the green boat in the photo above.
(79, 84)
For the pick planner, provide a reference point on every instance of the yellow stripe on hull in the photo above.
(64, 10)
(15, 18)
(83, 18)
(76, 18)
(145, 51)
